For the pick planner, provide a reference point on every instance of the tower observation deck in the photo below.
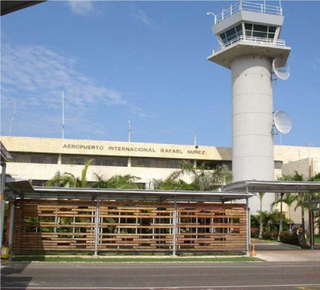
(248, 34)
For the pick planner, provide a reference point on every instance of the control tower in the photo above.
(248, 34)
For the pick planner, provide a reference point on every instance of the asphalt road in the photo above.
(245, 275)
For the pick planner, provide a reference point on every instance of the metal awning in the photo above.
(12, 6)
(273, 186)
(23, 189)
(4, 154)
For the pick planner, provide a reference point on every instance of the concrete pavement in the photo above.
(278, 252)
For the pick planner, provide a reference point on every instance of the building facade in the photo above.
(39, 159)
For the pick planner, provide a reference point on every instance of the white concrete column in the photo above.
(252, 117)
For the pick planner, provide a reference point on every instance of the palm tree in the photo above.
(172, 183)
(69, 180)
(204, 178)
(118, 181)
(316, 178)
(286, 198)
(300, 200)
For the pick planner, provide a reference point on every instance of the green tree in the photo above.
(288, 199)
(118, 181)
(316, 178)
(69, 180)
(300, 200)
(173, 183)
(205, 179)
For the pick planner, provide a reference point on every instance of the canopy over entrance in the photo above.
(302, 187)
(273, 186)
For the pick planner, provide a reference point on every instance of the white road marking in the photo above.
(177, 287)
(77, 267)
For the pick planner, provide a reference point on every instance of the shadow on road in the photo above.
(9, 279)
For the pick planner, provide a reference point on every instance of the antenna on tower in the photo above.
(281, 68)
(194, 136)
(12, 117)
(62, 115)
(129, 131)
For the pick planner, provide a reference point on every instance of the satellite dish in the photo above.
(281, 68)
(283, 122)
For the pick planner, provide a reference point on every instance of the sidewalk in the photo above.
(278, 252)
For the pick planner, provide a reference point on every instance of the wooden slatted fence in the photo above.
(133, 226)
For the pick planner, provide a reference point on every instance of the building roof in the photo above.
(5, 155)
(23, 189)
(273, 186)
(12, 6)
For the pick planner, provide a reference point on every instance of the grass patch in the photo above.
(126, 260)
(317, 239)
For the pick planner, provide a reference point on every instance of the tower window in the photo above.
(231, 34)
(260, 31)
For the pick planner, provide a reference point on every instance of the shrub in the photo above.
(288, 238)
(270, 235)
(254, 233)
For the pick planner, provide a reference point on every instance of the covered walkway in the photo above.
(114, 220)
(300, 187)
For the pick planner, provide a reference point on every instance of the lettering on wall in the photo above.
(78, 146)
(135, 149)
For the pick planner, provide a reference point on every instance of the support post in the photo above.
(174, 234)
(7, 226)
(311, 222)
(96, 230)
(2, 200)
(11, 229)
(281, 219)
(248, 228)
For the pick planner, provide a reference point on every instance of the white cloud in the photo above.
(142, 113)
(142, 17)
(35, 76)
(38, 69)
(81, 8)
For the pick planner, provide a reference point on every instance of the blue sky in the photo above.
(143, 61)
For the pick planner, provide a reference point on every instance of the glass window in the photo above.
(239, 28)
(111, 161)
(259, 34)
(97, 160)
(230, 32)
(35, 158)
(248, 26)
(272, 29)
(223, 37)
(212, 164)
(260, 28)
(271, 35)
(278, 164)
(155, 162)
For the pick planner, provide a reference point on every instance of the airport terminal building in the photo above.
(39, 159)
(87, 224)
